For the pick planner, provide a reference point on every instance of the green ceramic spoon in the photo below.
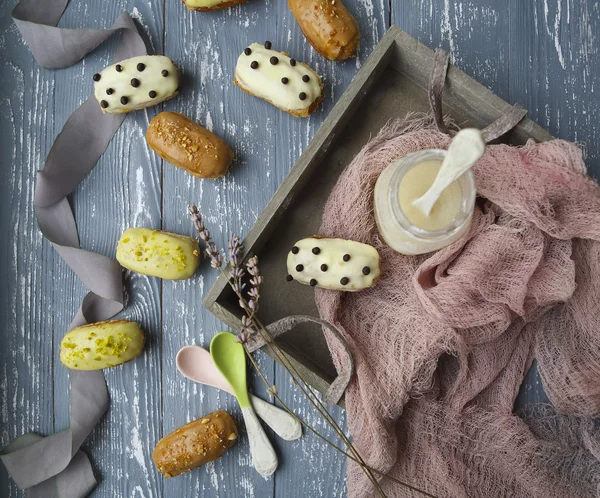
(230, 359)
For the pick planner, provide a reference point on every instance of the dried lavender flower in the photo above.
(255, 282)
(247, 330)
(234, 250)
(252, 265)
(216, 260)
(236, 273)
(237, 286)
(243, 336)
(244, 305)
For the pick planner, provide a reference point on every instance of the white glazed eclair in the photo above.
(335, 264)
(136, 83)
(279, 79)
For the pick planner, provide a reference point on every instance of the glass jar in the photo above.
(396, 229)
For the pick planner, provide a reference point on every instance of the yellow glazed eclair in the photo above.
(101, 345)
(159, 254)
(207, 5)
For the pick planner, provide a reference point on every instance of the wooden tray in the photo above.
(392, 83)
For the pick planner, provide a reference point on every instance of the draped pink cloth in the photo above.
(444, 341)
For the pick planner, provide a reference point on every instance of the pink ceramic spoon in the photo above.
(196, 364)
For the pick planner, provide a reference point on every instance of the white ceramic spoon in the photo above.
(196, 364)
(465, 150)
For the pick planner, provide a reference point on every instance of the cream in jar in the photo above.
(403, 226)
(414, 184)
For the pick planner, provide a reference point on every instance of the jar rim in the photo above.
(404, 165)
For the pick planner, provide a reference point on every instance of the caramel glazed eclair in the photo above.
(136, 83)
(273, 76)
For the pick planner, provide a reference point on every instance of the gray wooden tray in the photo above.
(392, 83)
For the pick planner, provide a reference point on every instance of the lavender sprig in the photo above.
(216, 260)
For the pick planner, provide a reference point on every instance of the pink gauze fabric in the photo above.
(444, 341)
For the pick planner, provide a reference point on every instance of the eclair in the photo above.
(157, 253)
(100, 345)
(328, 27)
(207, 5)
(189, 146)
(279, 79)
(335, 264)
(195, 444)
(136, 83)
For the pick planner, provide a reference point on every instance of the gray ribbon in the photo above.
(437, 81)
(338, 386)
(53, 466)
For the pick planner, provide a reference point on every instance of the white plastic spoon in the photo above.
(196, 364)
(465, 150)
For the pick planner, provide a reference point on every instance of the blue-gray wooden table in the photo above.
(543, 54)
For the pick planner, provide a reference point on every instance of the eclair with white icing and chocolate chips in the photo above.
(207, 5)
(136, 83)
(335, 264)
(279, 79)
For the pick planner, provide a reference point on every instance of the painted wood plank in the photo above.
(531, 391)
(253, 128)
(26, 293)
